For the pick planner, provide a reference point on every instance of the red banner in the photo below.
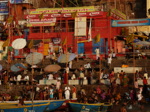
(80, 14)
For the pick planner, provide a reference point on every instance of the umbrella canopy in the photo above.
(142, 43)
(17, 67)
(52, 68)
(65, 58)
(19, 43)
(34, 58)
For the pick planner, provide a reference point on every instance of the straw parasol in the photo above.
(52, 68)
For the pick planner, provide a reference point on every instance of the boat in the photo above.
(36, 106)
(86, 107)
(54, 105)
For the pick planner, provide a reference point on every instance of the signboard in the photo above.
(80, 26)
(62, 10)
(3, 7)
(132, 22)
(16, 1)
(80, 14)
(42, 22)
(19, 1)
(56, 40)
(117, 14)
(127, 69)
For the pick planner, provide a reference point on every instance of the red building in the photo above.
(59, 26)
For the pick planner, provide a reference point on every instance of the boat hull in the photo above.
(36, 106)
(53, 106)
(81, 107)
(30, 108)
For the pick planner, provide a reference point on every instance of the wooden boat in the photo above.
(82, 107)
(36, 106)
(65, 105)
(54, 105)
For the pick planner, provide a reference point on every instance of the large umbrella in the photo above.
(142, 43)
(52, 68)
(19, 43)
(65, 58)
(34, 58)
(17, 67)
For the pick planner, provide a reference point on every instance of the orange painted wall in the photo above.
(16, 9)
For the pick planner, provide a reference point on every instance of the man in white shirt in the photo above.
(67, 92)
(26, 78)
(19, 77)
(58, 84)
(106, 78)
(109, 61)
(50, 77)
(97, 53)
(114, 55)
(88, 65)
(81, 78)
(67, 69)
(146, 75)
(70, 64)
(73, 77)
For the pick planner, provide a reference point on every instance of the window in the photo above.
(60, 26)
(35, 29)
(46, 29)
(71, 25)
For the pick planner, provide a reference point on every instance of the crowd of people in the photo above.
(120, 88)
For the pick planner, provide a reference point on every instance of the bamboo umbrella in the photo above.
(52, 68)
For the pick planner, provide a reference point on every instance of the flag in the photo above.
(30, 45)
(64, 42)
(41, 16)
(74, 14)
(129, 38)
(6, 43)
(9, 19)
(89, 33)
(97, 38)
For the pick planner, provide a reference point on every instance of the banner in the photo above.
(80, 26)
(62, 10)
(118, 14)
(79, 14)
(3, 7)
(132, 22)
(42, 22)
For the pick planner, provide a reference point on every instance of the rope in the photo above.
(77, 2)
(72, 3)
(56, 3)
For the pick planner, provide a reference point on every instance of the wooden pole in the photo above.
(115, 4)
(99, 66)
